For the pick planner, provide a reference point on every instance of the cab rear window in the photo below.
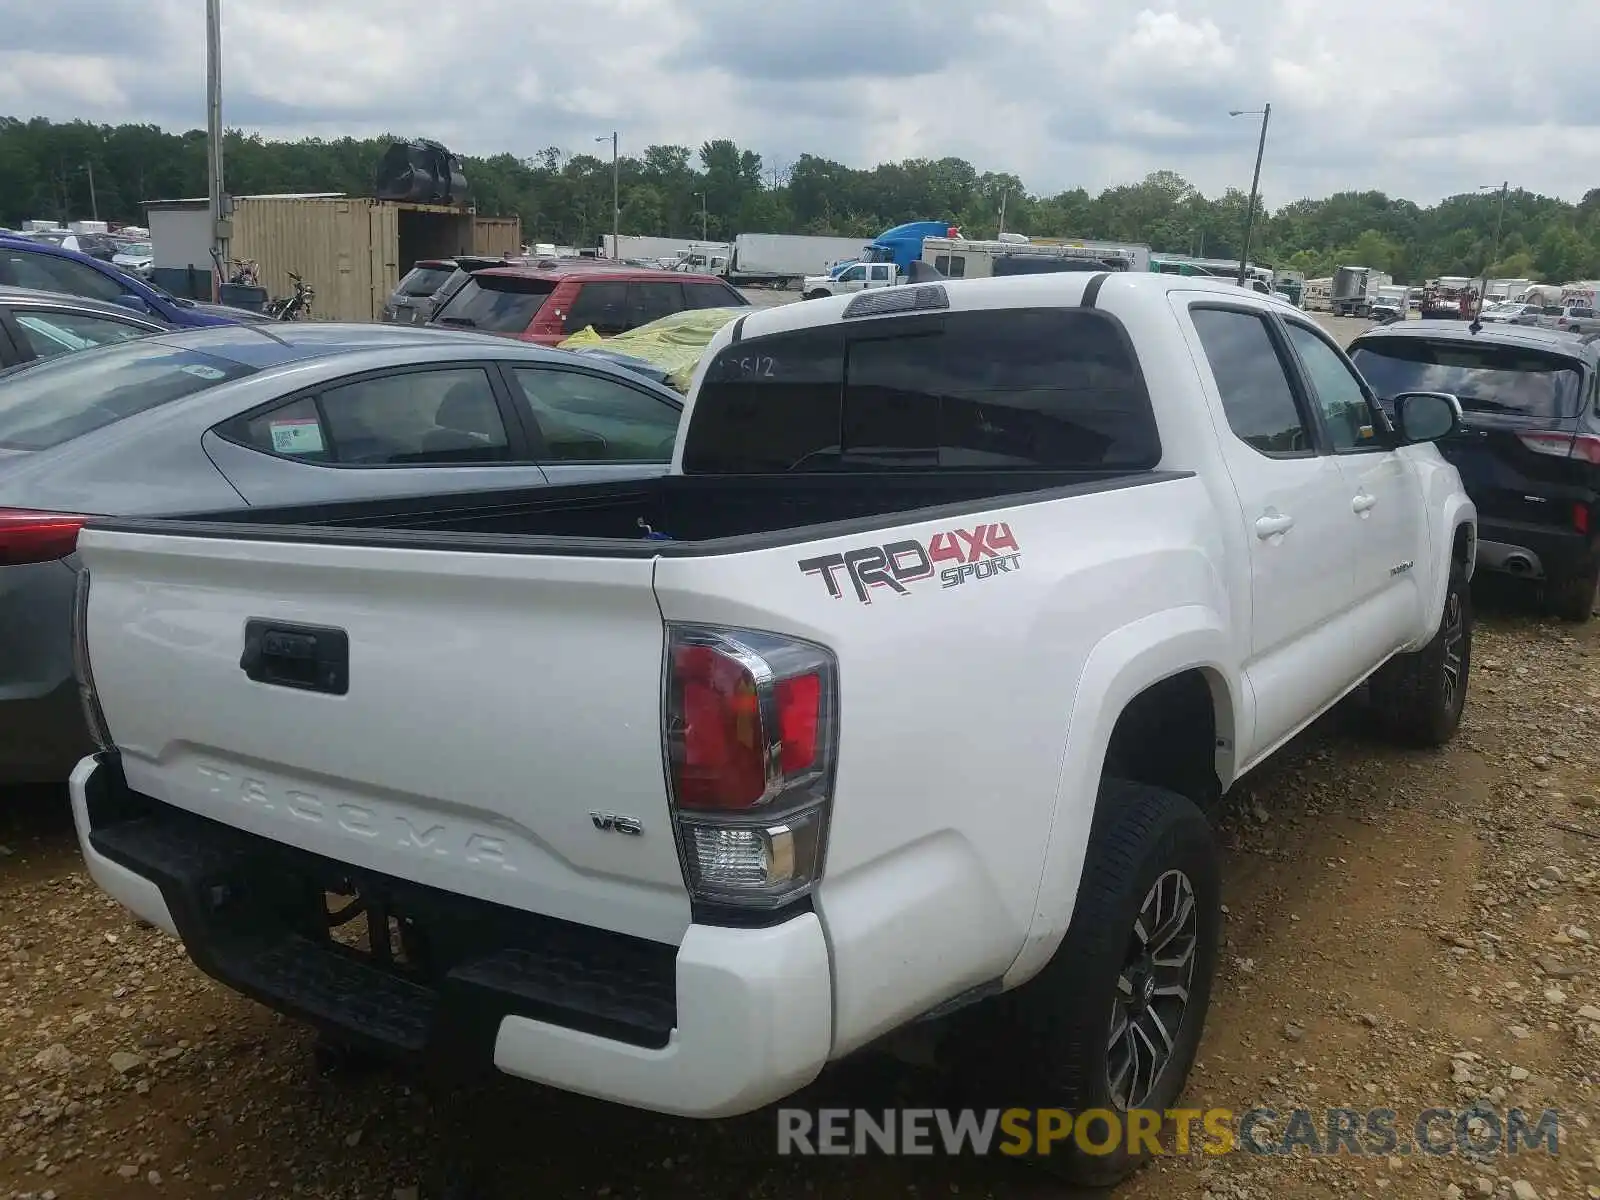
(1029, 389)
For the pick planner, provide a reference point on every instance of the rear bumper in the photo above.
(729, 1020)
(1531, 551)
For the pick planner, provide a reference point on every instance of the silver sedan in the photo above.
(200, 420)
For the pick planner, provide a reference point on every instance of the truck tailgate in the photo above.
(492, 702)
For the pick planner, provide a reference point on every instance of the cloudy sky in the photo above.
(1419, 98)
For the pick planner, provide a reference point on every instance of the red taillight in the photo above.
(27, 536)
(721, 760)
(750, 730)
(1580, 518)
(799, 710)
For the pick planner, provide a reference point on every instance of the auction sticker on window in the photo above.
(201, 371)
(296, 435)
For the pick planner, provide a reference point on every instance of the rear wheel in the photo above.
(1574, 597)
(818, 294)
(1114, 1019)
(1418, 698)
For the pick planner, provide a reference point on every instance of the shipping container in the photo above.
(352, 250)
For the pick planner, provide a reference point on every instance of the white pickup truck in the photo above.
(904, 695)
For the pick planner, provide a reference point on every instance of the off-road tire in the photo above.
(1417, 698)
(1045, 1044)
(1573, 598)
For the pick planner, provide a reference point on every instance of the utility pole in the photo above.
(221, 227)
(1494, 255)
(1255, 185)
(616, 193)
(1003, 193)
(704, 236)
(94, 200)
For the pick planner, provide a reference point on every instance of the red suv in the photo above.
(545, 305)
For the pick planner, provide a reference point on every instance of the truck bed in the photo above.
(665, 516)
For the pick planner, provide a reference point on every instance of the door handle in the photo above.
(1363, 503)
(1273, 523)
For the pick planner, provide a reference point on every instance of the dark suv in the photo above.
(423, 290)
(546, 305)
(1529, 454)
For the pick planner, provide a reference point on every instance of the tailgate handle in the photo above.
(313, 658)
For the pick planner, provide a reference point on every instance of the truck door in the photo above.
(880, 275)
(1295, 507)
(852, 279)
(1383, 502)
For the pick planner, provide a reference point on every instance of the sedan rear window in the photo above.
(1484, 376)
(51, 402)
(497, 303)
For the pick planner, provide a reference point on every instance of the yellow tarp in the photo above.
(673, 344)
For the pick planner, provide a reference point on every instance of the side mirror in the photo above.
(1426, 416)
(134, 302)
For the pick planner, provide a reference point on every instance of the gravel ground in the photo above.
(1404, 929)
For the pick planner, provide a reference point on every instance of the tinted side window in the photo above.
(651, 301)
(603, 305)
(853, 275)
(416, 417)
(712, 295)
(1031, 389)
(590, 418)
(1255, 390)
(1338, 391)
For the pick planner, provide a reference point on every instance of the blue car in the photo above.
(26, 263)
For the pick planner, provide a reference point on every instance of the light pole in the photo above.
(616, 202)
(1494, 255)
(1265, 114)
(704, 236)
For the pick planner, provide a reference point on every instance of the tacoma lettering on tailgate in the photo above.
(980, 553)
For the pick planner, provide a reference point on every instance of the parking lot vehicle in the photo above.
(136, 258)
(35, 325)
(245, 415)
(27, 263)
(432, 281)
(1530, 454)
(1570, 318)
(546, 305)
(1356, 290)
(1511, 314)
(902, 696)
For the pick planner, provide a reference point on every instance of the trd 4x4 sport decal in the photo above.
(980, 553)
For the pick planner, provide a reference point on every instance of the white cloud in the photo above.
(1421, 99)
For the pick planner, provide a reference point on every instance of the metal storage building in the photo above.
(351, 249)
